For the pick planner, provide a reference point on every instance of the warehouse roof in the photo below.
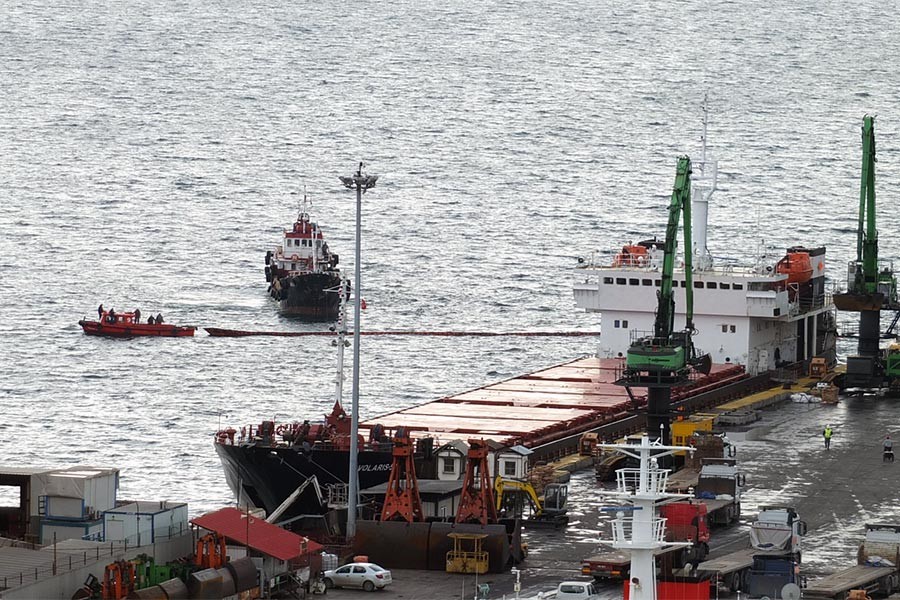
(257, 534)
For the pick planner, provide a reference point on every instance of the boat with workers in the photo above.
(128, 325)
(302, 272)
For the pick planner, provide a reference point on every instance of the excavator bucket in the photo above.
(703, 364)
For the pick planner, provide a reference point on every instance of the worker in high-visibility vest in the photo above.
(827, 435)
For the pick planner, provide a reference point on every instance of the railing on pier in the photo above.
(69, 559)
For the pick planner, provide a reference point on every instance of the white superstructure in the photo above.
(742, 316)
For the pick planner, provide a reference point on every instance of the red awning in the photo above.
(257, 533)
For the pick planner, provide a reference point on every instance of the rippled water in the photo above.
(151, 153)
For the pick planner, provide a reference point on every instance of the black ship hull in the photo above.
(265, 475)
(307, 296)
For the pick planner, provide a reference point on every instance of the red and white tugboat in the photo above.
(128, 325)
(302, 272)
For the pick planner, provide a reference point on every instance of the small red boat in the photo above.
(124, 325)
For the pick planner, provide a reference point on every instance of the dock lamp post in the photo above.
(360, 182)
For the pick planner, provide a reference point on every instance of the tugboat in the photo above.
(302, 272)
(128, 325)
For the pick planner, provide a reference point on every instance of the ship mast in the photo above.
(303, 217)
(704, 184)
(644, 490)
(341, 341)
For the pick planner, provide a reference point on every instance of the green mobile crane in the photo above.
(870, 287)
(663, 359)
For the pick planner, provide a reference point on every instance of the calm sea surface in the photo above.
(150, 154)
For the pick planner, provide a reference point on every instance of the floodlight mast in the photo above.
(361, 183)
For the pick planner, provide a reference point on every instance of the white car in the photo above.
(576, 590)
(367, 576)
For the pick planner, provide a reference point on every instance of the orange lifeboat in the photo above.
(797, 266)
(632, 256)
(126, 325)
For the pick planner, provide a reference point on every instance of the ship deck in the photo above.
(539, 407)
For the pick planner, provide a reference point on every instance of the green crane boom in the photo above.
(664, 325)
(871, 288)
(663, 358)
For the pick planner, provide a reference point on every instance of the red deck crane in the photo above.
(402, 502)
(477, 502)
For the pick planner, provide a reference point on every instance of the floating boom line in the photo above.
(217, 332)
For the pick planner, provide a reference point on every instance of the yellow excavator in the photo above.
(517, 499)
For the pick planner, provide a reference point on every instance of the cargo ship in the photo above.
(265, 463)
(302, 272)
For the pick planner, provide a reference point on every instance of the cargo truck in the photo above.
(719, 486)
(876, 570)
(771, 561)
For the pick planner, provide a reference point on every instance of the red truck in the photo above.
(685, 522)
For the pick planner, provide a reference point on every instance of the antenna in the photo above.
(304, 204)
(703, 186)
(705, 107)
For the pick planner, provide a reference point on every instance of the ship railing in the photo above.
(338, 494)
(628, 481)
(806, 304)
(639, 335)
(623, 527)
(848, 329)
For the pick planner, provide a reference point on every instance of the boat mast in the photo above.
(704, 184)
(341, 341)
(313, 228)
(637, 528)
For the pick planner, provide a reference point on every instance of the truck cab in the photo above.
(687, 521)
(776, 535)
(769, 575)
(778, 529)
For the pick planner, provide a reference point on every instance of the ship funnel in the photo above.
(703, 180)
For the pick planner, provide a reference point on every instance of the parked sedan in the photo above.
(367, 576)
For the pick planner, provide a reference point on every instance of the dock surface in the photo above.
(835, 491)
